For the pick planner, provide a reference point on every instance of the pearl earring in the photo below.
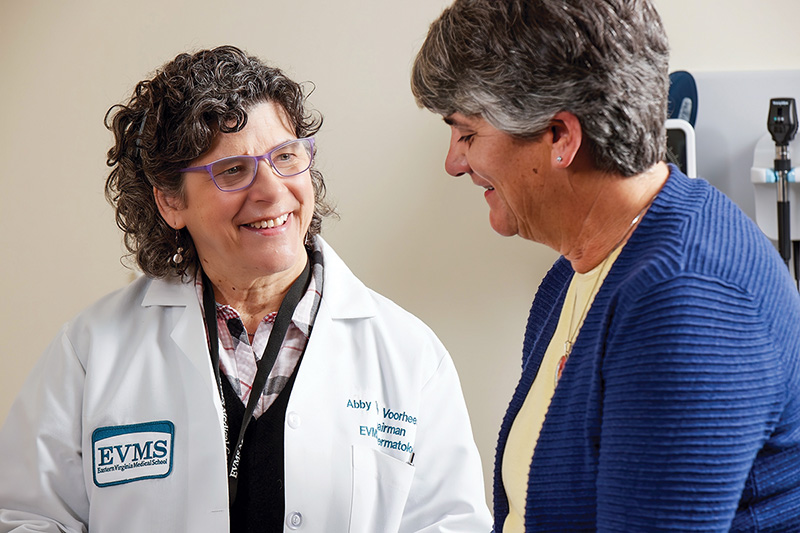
(177, 258)
(558, 159)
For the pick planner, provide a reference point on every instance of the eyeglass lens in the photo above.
(238, 172)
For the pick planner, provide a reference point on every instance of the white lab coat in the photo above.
(130, 379)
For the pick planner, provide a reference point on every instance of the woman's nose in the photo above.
(455, 163)
(266, 180)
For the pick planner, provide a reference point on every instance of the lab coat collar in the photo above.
(189, 331)
(343, 293)
(170, 292)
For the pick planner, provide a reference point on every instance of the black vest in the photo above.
(259, 505)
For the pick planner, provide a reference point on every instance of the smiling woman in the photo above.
(250, 240)
(511, 169)
(175, 118)
(225, 390)
(643, 332)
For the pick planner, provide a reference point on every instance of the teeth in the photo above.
(271, 223)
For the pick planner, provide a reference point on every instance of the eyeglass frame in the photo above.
(257, 159)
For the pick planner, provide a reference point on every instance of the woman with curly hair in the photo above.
(248, 381)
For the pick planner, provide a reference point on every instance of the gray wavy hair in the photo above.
(517, 63)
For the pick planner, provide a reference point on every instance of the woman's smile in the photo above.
(269, 222)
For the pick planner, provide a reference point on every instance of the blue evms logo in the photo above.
(122, 454)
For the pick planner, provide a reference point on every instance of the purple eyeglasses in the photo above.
(238, 172)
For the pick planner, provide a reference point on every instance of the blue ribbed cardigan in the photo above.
(679, 408)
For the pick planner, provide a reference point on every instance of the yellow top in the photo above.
(528, 422)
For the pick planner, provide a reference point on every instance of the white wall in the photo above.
(406, 228)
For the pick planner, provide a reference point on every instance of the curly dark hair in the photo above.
(169, 121)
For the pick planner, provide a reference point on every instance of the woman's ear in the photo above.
(170, 207)
(567, 136)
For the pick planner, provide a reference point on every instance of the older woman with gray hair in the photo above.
(248, 381)
(660, 385)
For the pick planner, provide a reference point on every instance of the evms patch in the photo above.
(122, 454)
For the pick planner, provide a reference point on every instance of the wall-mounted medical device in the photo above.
(773, 176)
(782, 127)
(681, 116)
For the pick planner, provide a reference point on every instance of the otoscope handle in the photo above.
(784, 238)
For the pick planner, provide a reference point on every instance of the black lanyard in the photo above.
(265, 364)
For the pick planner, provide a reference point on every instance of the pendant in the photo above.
(563, 361)
(560, 367)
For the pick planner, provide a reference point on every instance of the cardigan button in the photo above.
(293, 419)
(294, 520)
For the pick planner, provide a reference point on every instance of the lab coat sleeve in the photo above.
(41, 475)
(447, 493)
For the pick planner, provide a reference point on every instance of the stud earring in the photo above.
(177, 258)
(558, 159)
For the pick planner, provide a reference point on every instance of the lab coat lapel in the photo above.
(189, 331)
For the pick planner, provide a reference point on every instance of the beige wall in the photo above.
(406, 228)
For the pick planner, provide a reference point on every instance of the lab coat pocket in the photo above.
(380, 490)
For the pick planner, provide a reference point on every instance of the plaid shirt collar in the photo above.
(238, 357)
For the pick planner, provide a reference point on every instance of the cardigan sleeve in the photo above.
(692, 388)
